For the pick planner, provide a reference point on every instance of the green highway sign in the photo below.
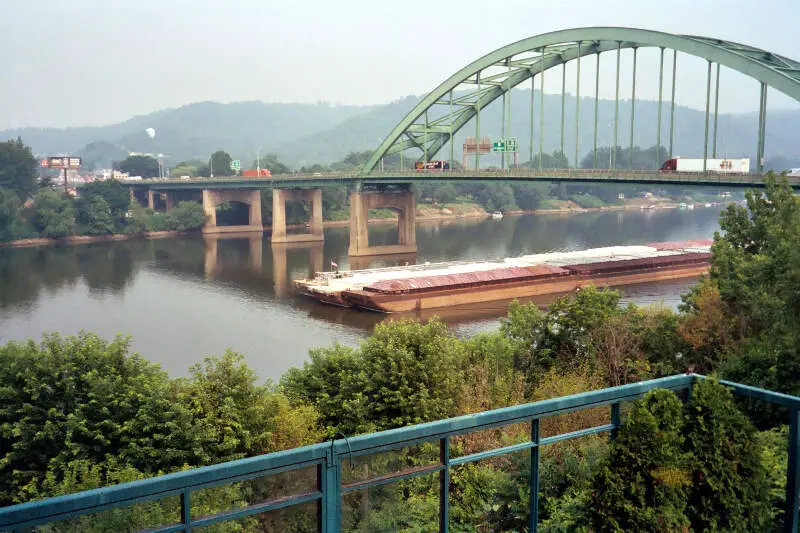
(236, 164)
(505, 145)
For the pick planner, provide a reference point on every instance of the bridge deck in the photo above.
(578, 176)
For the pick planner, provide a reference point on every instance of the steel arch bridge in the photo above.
(434, 121)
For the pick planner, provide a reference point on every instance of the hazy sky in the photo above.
(89, 62)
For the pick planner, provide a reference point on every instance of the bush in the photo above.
(642, 487)
(729, 490)
(587, 200)
(186, 216)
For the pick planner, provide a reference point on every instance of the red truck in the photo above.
(263, 173)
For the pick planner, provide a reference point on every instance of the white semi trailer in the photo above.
(686, 164)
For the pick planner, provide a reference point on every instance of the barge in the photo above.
(438, 285)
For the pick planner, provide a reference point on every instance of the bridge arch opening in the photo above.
(233, 213)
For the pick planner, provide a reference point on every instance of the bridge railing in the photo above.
(328, 471)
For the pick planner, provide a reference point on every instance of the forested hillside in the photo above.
(304, 134)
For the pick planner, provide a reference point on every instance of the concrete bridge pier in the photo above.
(402, 202)
(212, 198)
(279, 199)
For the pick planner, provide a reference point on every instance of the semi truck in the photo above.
(263, 173)
(686, 164)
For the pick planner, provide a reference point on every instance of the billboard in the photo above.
(62, 162)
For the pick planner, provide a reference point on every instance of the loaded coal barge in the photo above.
(437, 285)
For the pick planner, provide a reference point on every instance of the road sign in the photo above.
(236, 164)
(505, 145)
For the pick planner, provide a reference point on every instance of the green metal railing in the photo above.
(326, 459)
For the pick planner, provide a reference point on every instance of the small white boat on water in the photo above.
(497, 215)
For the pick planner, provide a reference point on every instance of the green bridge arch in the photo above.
(534, 55)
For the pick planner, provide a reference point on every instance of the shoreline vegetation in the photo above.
(426, 213)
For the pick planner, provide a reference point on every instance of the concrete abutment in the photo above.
(402, 202)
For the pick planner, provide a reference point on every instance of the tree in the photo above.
(445, 194)
(116, 196)
(18, 168)
(139, 165)
(729, 489)
(405, 373)
(271, 163)
(55, 214)
(10, 219)
(186, 216)
(642, 486)
(221, 163)
(98, 216)
(82, 398)
(756, 267)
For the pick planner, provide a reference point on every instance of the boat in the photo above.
(449, 284)
(497, 215)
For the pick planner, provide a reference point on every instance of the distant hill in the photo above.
(302, 134)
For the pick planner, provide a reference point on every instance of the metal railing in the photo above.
(326, 460)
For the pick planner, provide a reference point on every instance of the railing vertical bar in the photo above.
(186, 510)
(331, 496)
(533, 518)
(577, 103)
(563, 101)
(615, 419)
(321, 501)
(444, 485)
(793, 474)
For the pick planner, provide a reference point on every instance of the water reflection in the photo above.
(186, 297)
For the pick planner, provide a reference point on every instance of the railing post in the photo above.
(615, 419)
(331, 515)
(444, 485)
(533, 518)
(186, 511)
(792, 474)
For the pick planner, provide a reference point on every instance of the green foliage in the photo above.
(496, 197)
(271, 163)
(221, 163)
(186, 216)
(405, 373)
(18, 168)
(55, 214)
(642, 487)
(82, 398)
(587, 200)
(139, 165)
(12, 223)
(646, 159)
(116, 197)
(729, 489)
(98, 215)
(756, 267)
(81, 412)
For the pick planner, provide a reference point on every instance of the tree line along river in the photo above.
(184, 298)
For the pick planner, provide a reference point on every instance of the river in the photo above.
(184, 298)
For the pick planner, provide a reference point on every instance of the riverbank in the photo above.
(425, 213)
(84, 239)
